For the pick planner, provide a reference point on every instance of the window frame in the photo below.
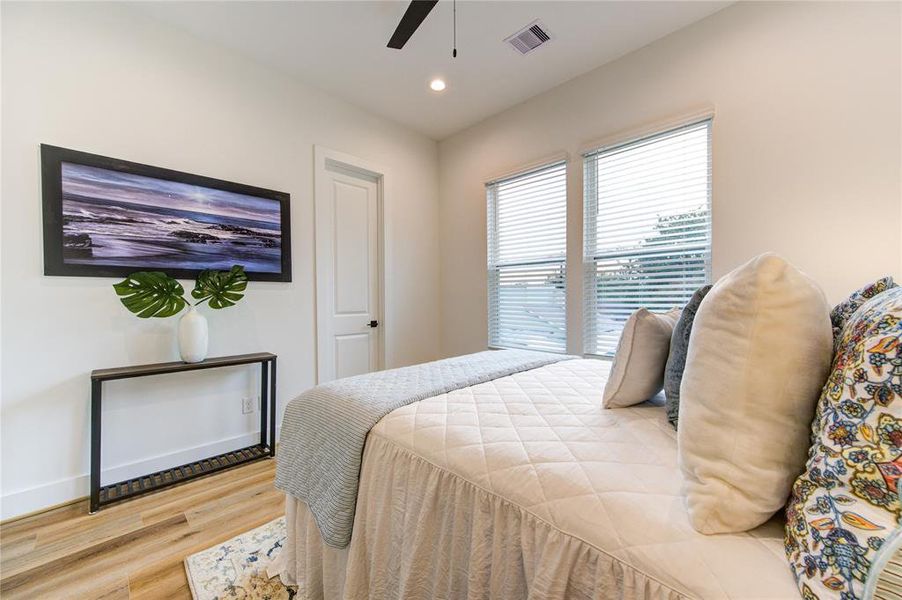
(494, 265)
(590, 256)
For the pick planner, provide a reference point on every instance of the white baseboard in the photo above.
(39, 497)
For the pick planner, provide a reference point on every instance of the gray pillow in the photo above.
(676, 359)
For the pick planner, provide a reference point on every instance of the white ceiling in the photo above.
(340, 47)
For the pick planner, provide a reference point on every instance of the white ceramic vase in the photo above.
(193, 336)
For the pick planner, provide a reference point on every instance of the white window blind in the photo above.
(527, 238)
(647, 226)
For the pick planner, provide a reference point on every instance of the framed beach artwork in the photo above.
(108, 218)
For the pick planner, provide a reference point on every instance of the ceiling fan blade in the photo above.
(413, 17)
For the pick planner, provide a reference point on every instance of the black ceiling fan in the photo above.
(413, 17)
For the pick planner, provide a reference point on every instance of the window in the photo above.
(527, 235)
(647, 229)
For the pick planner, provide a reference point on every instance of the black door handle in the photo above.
(373, 324)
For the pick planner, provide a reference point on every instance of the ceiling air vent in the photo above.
(529, 38)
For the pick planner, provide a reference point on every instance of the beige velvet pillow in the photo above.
(758, 357)
(637, 373)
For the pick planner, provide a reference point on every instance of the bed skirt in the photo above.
(421, 532)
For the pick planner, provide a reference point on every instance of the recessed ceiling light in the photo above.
(437, 85)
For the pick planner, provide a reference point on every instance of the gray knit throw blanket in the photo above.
(324, 429)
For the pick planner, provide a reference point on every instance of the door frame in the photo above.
(326, 159)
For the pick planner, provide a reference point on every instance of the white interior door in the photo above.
(348, 272)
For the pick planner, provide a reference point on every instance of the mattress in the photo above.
(524, 487)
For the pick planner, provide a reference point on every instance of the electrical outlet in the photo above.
(248, 405)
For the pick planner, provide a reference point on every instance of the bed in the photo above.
(524, 487)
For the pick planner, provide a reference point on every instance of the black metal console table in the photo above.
(116, 492)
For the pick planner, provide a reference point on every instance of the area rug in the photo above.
(236, 569)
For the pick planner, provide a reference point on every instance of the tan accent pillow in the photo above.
(637, 373)
(758, 357)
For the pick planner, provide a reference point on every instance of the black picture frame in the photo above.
(52, 159)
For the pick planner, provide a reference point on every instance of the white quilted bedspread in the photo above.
(541, 440)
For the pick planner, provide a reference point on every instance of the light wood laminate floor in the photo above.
(134, 549)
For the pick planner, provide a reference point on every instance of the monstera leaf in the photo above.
(151, 294)
(221, 288)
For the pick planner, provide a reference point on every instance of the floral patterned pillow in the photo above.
(847, 501)
(845, 309)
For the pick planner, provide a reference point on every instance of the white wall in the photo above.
(102, 79)
(806, 147)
